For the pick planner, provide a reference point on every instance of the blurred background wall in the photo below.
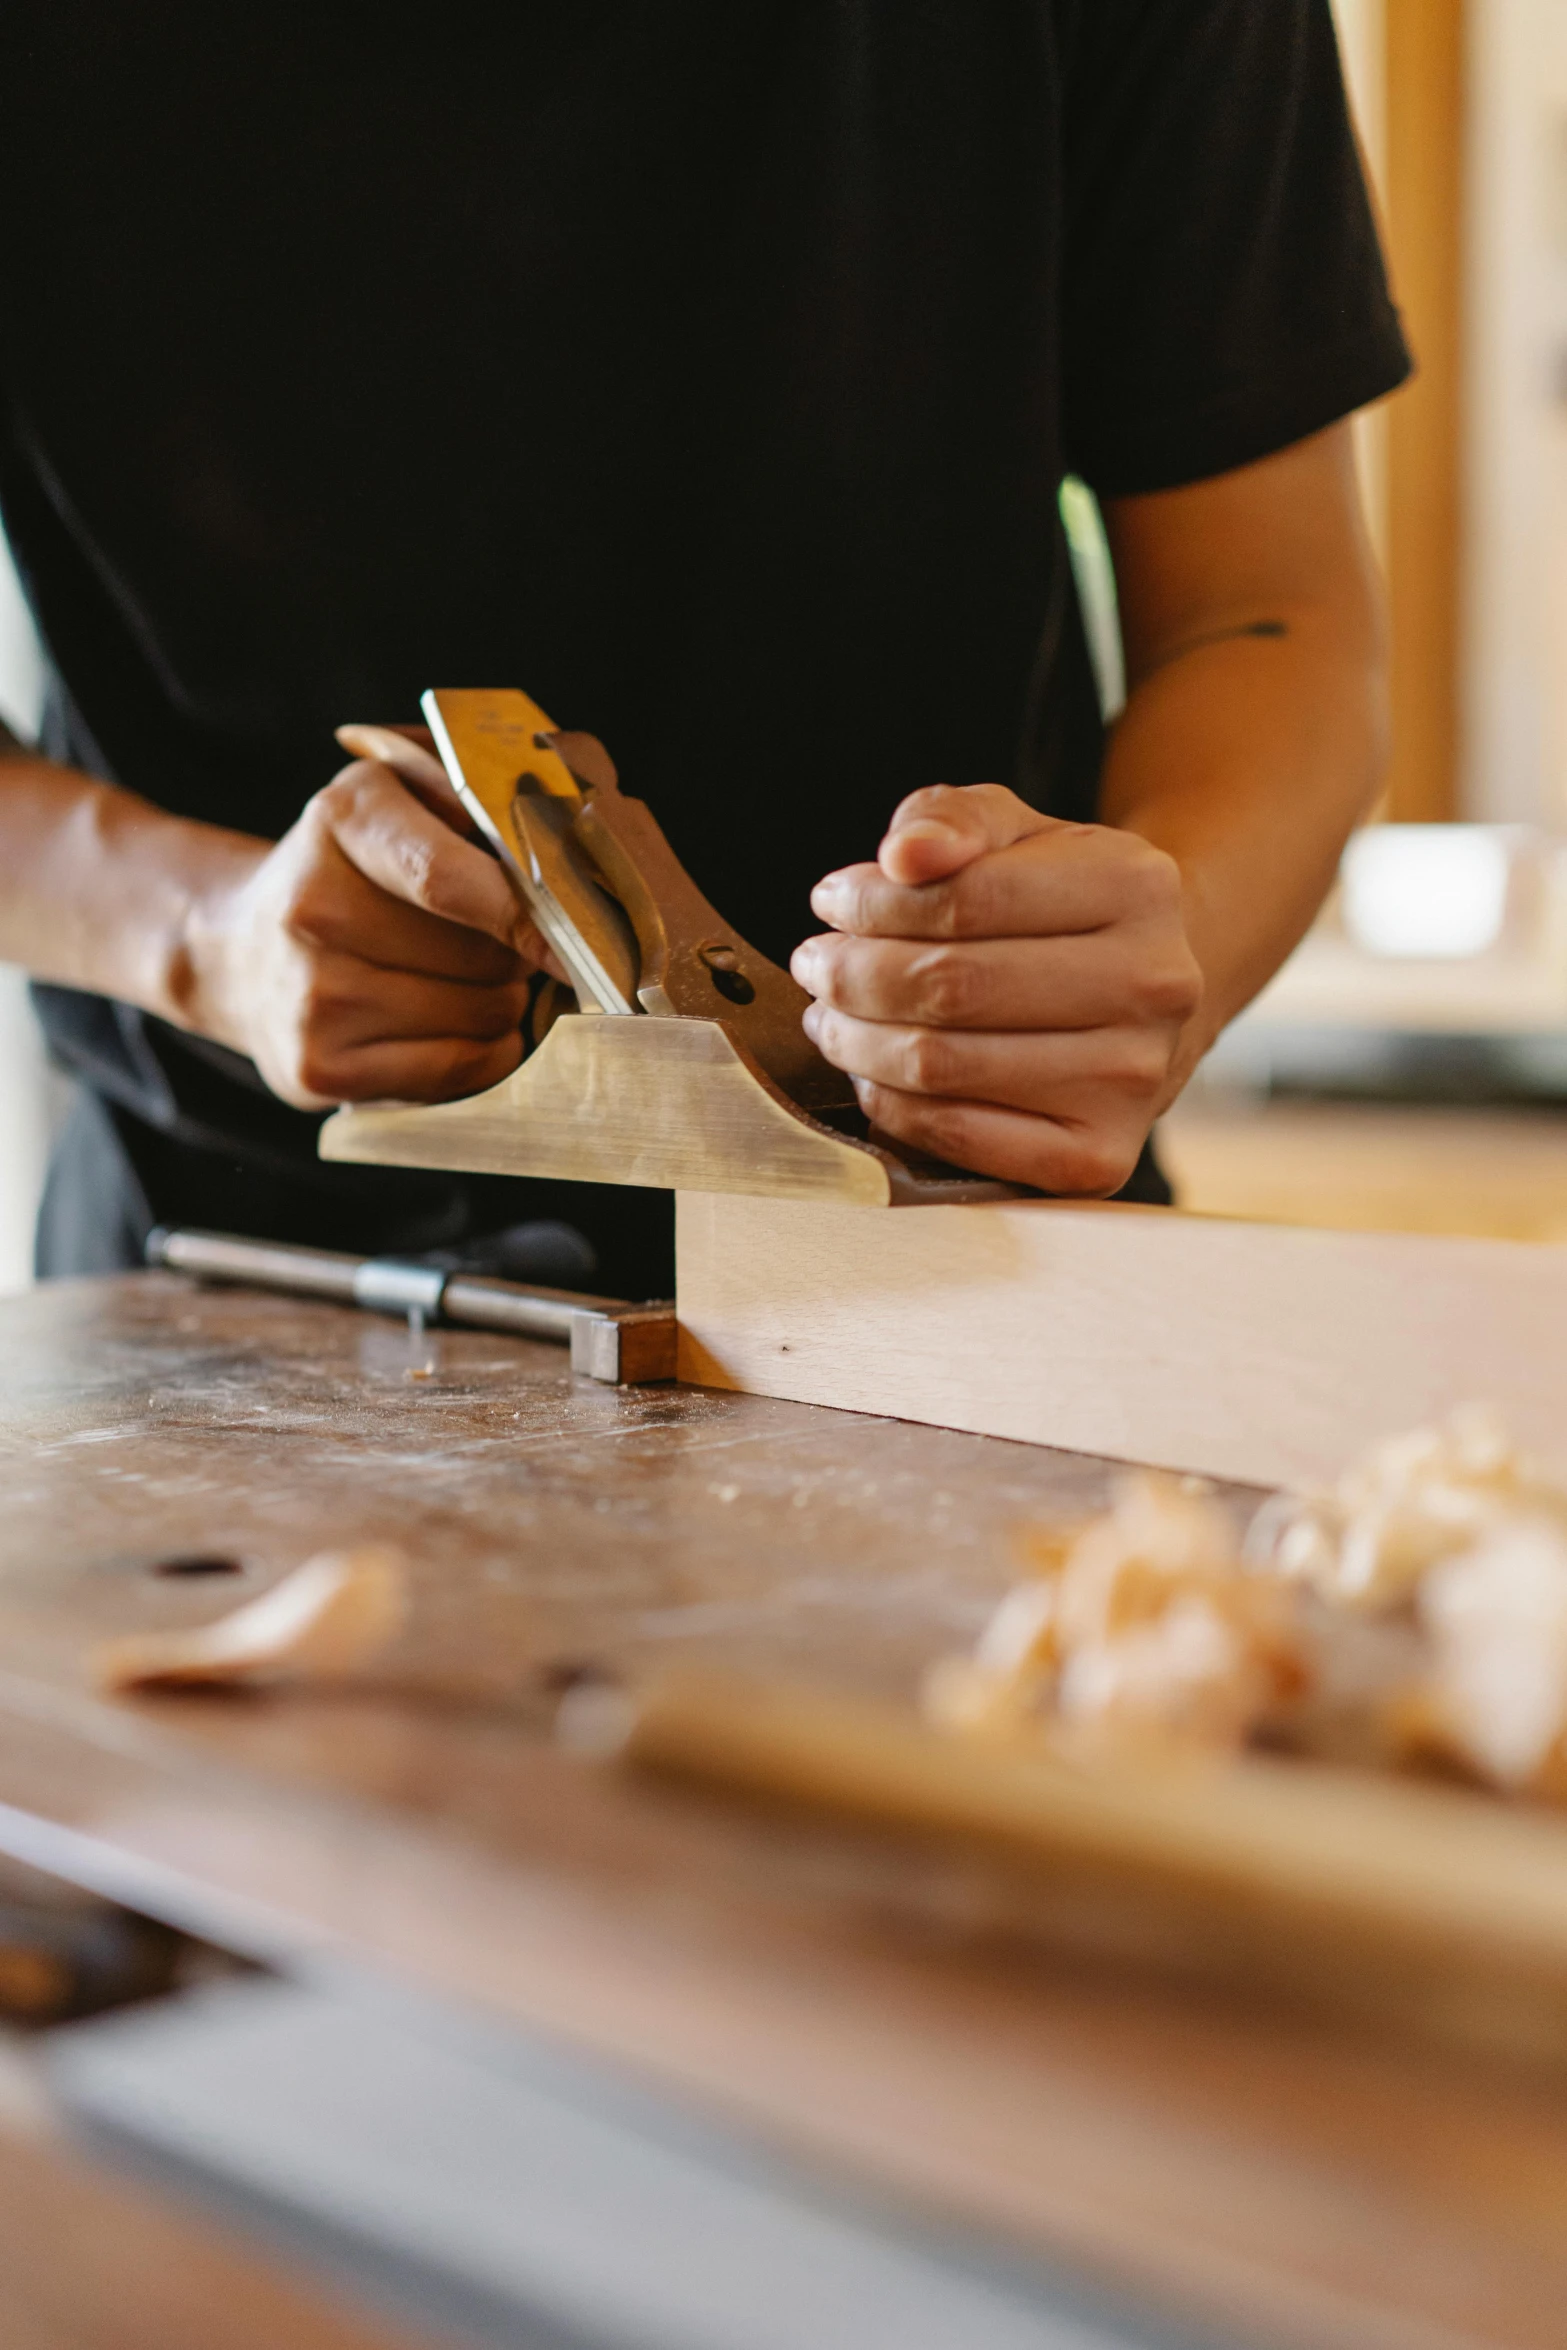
(1513, 669)
(1463, 107)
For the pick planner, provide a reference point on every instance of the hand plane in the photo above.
(685, 1065)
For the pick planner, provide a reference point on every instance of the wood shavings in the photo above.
(1453, 1532)
(1414, 1614)
(1369, 1540)
(1148, 1625)
(1495, 1616)
(324, 1622)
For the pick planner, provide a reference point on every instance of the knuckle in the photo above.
(318, 1004)
(335, 801)
(933, 799)
(1140, 1063)
(1194, 985)
(944, 987)
(1101, 1165)
(943, 913)
(830, 1037)
(316, 1071)
(942, 1128)
(832, 966)
(306, 910)
(478, 1065)
(418, 868)
(929, 1062)
(853, 911)
(962, 907)
(1152, 875)
(1000, 803)
(1168, 988)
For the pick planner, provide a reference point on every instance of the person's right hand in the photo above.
(376, 953)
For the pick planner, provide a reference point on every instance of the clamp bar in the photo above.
(610, 1339)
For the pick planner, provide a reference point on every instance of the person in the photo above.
(712, 373)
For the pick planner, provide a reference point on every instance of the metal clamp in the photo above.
(611, 1340)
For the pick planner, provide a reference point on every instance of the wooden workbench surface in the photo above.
(882, 2012)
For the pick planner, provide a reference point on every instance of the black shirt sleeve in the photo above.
(1224, 290)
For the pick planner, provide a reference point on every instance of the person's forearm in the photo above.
(373, 953)
(100, 890)
(1250, 760)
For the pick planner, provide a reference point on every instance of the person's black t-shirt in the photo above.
(710, 370)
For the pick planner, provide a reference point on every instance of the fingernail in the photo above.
(811, 1021)
(828, 890)
(805, 963)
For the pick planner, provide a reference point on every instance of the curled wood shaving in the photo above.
(1369, 1541)
(1145, 1624)
(1495, 1618)
(1415, 1614)
(1454, 1533)
(321, 1623)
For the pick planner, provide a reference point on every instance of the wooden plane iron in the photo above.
(685, 1065)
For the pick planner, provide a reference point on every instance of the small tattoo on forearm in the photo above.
(1221, 636)
(1224, 636)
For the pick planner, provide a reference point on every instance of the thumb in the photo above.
(937, 832)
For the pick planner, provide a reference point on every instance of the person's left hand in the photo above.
(1010, 993)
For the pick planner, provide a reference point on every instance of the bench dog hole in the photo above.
(198, 1562)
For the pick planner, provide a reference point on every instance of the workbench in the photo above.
(825, 2063)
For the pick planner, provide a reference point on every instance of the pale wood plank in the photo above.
(1252, 1351)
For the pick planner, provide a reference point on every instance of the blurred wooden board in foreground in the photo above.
(1414, 1907)
(1267, 1353)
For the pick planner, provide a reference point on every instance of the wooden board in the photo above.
(1252, 1351)
(1412, 1907)
(881, 2012)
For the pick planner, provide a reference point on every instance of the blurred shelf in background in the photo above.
(1432, 930)
(1407, 1069)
